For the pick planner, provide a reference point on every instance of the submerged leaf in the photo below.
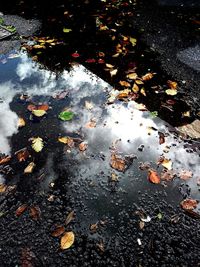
(58, 231)
(67, 240)
(83, 146)
(37, 144)
(133, 41)
(21, 209)
(35, 212)
(185, 175)
(70, 217)
(66, 115)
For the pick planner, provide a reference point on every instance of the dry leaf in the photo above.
(113, 72)
(88, 105)
(148, 76)
(185, 175)
(67, 240)
(172, 85)
(135, 88)
(29, 168)
(70, 217)
(35, 212)
(4, 159)
(67, 140)
(192, 129)
(21, 209)
(101, 246)
(31, 107)
(83, 146)
(189, 204)
(141, 224)
(167, 163)
(109, 66)
(22, 154)
(94, 227)
(124, 83)
(3, 188)
(142, 91)
(167, 175)
(132, 76)
(153, 177)
(44, 107)
(21, 123)
(58, 231)
(118, 163)
(171, 92)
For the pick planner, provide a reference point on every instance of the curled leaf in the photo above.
(67, 240)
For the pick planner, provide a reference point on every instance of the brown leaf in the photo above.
(172, 85)
(148, 76)
(70, 217)
(101, 246)
(27, 257)
(58, 231)
(35, 212)
(144, 166)
(189, 204)
(67, 240)
(60, 95)
(21, 209)
(4, 159)
(22, 154)
(118, 163)
(185, 175)
(153, 177)
(3, 188)
(94, 227)
(167, 175)
(29, 168)
(161, 138)
(83, 146)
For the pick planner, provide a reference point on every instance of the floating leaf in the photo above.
(171, 92)
(70, 217)
(167, 163)
(185, 175)
(67, 140)
(39, 112)
(21, 209)
(66, 115)
(29, 168)
(189, 204)
(83, 146)
(153, 177)
(66, 30)
(148, 76)
(58, 231)
(22, 154)
(124, 83)
(3, 188)
(118, 163)
(44, 107)
(67, 240)
(5, 159)
(35, 212)
(21, 123)
(37, 144)
(161, 138)
(135, 88)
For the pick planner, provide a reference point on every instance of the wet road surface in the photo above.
(93, 173)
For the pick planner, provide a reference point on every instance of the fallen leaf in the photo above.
(133, 41)
(37, 144)
(21, 209)
(171, 92)
(185, 175)
(167, 175)
(38, 112)
(141, 224)
(66, 30)
(35, 212)
(148, 76)
(3, 188)
(67, 240)
(66, 115)
(31, 107)
(83, 146)
(70, 217)
(101, 61)
(91, 124)
(113, 72)
(21, 123)
(172, 85)
(58, 231)
(135, 88)
(60, 95)
(22, 154)
(44, 107)
(94, 227)
(27, 258)
(29, 168)
(167, 163)
(132, 76)
(192, 129)
(89, 105)
(4, 159)
(118, 163)
(75, 55)
(101, 246)
(161, 138)
(153, 177)
(142, 91)
(124, 83)
(67, 140)
(189, 204)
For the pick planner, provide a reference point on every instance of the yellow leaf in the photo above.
(39, 46)
(37, 144)
(142, 91)
(109, 66)
(133, 41)
(135, 88)
(113, 72)
(132, 76)
(124, 83)
(171, 92)
(67, 240)
(167, 163)
(2, 188)
(66, 140)
(148, 76)
(139, 81)
(65, 30)
(21, 123)
(172, 85)
(39, 112)
(29, 168)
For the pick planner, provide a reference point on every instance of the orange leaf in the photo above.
(5, 159)
(83, 146)
(117, 163)
(44, 107)
(189, 204)
(21, 209)
(153, 177)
